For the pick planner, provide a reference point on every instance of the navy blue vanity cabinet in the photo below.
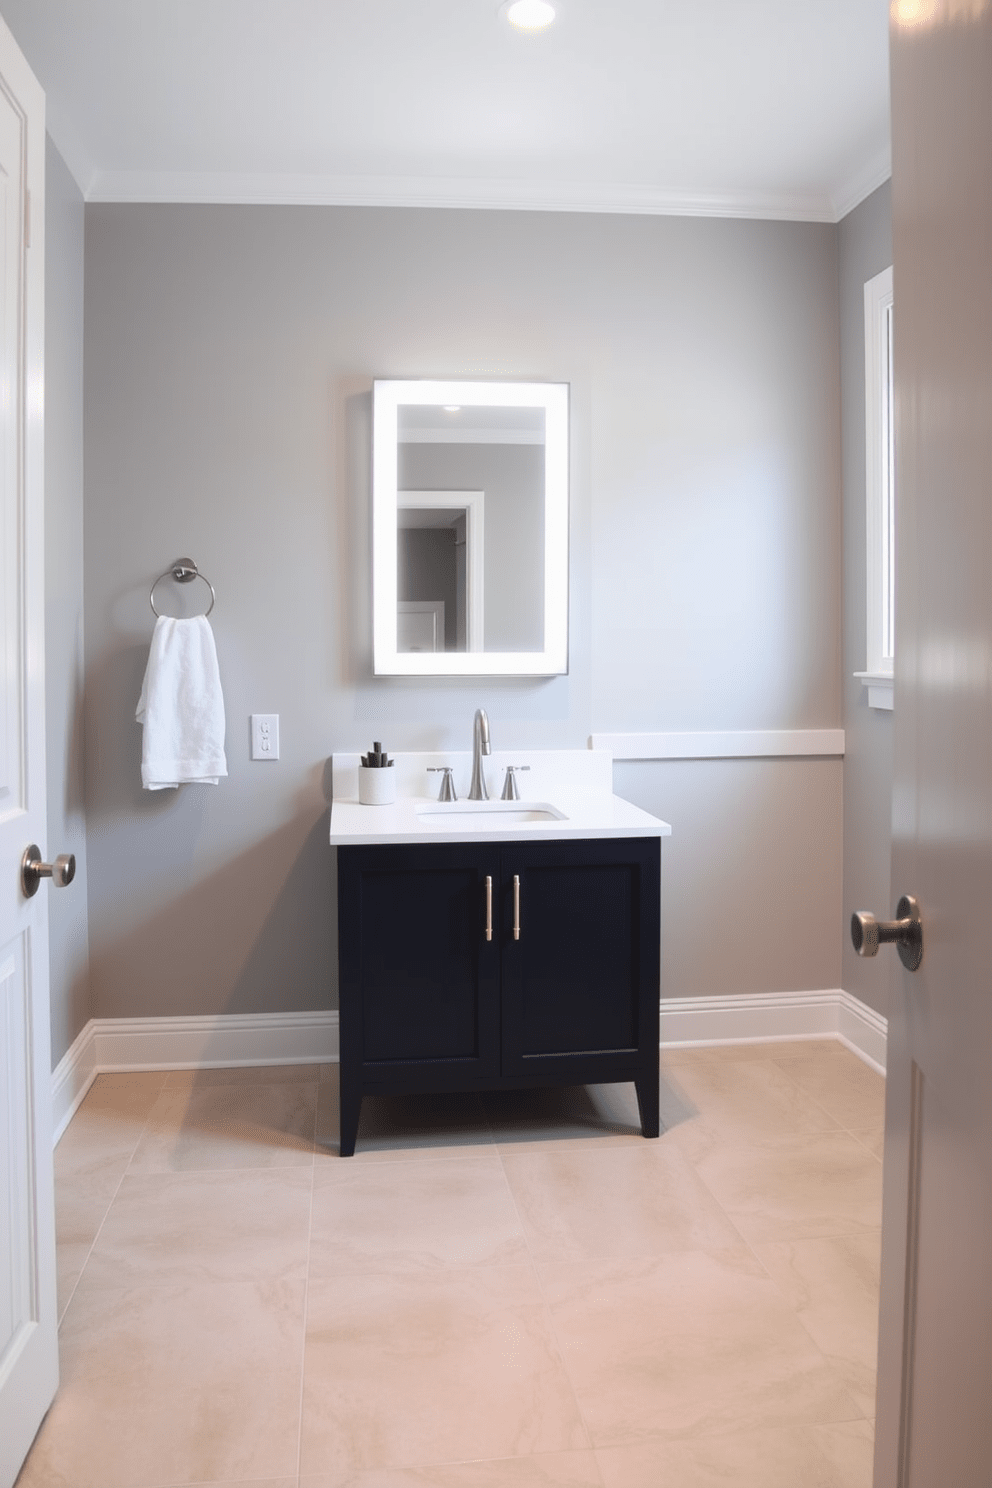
(564, 991)
(580, 978)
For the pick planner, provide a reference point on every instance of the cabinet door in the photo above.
(581, 984)
(419, 980)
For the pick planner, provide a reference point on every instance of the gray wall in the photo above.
(865, 250)
(69, 951)
(229, 360)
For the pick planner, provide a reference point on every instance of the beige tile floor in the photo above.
(509, 1290)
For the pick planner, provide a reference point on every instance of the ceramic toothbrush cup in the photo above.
(376, 787)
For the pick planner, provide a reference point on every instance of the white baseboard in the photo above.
(216, 1042)
(775, 1017)
(212, 1042)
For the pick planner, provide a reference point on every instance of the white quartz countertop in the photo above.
(574, 784)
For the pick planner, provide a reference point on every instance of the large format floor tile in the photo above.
(749, 1098)
(791, 1457)
(549, 1470)
(443, 1367)
(832, 1285)
(174, 1385)
(214, 1226)
(413, 1217)
(852, 1093)
(229, 1126)
(687, 1344)
(506, 1290)
(632, 1201)
(795, 1187)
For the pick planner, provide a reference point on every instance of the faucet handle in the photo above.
(510, 791)
(447, 791)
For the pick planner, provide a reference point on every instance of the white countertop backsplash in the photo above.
(577, 782)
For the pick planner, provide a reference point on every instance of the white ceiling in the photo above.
(766, 108)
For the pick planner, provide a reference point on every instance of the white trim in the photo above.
(195, 1042)
(387, 396)
(232, 1040)
(775, 1017)
(880, 687)
(753, 743)
(878, 528)
(478, 193)
(71, 1078)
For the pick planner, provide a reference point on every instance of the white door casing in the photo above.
(934, 1422)
(28, 1321)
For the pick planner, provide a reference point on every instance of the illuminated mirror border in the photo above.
(388, 395)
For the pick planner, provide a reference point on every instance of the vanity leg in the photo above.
(646, 1086)
(351, 1109)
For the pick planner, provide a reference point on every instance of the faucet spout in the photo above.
(480, 746)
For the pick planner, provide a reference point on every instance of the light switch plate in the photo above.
(265, 736)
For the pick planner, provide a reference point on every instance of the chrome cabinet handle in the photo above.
(867, 933)
(516, 906)
(33, 870)
(489, 906)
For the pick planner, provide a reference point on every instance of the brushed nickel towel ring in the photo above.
(184, 571)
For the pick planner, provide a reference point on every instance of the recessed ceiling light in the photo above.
(452, 407)
(529, 15)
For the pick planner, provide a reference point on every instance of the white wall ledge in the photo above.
(880, 688)
(745, 744)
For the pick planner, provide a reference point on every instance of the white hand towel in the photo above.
(181, 706)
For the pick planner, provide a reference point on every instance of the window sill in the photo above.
(879, 685)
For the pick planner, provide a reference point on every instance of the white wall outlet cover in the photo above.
(265, 736)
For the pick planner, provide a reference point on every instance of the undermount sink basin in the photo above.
(456, 814)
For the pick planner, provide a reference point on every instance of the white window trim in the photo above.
(878, 674)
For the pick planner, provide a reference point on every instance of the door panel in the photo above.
(17, 1286)
(420, 982)
(421, 979)
(583, 977)
(28, 1321)
(578, 958)
(934, 1423)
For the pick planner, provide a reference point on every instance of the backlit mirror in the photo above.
(470, 528)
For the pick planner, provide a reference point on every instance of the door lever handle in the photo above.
(33, 870)
(906, 932)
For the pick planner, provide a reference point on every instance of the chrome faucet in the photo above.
(480, 746)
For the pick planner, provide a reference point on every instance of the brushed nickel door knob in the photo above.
(33, 870)
(906, 932)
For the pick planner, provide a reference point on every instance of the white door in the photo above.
(28, 1323)
(934, 1425)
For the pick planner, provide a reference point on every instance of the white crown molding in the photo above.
(233, 1040)
(861, 185)
(477, 193)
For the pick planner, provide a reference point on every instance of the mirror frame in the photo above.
(388, 395)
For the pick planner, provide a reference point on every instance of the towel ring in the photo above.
(184, 571)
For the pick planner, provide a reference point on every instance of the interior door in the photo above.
(28, 1323)
(934, 1424)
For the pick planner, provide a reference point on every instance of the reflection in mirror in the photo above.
(440, 543)
(470, 514)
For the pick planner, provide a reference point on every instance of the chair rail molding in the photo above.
(723, 744)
